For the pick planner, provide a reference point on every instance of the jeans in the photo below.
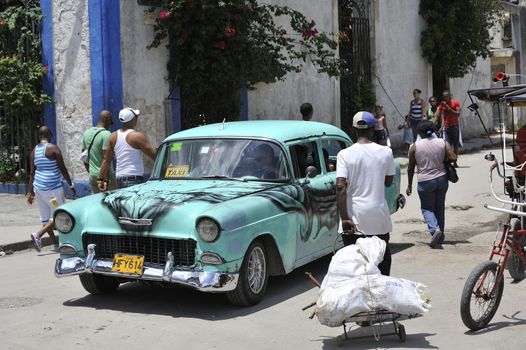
(123, 182)
(385, 265)
(432, 195)
(414, 127)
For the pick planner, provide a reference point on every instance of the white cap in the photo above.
(363, 120)
(127, 114)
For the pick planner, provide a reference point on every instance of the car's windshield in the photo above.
(226, 158)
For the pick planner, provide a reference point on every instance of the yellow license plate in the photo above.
(131, 264)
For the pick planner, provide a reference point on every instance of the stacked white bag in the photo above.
(354, 284)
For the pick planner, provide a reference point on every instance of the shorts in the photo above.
(379, 135)
(43, 199)
(452, 135)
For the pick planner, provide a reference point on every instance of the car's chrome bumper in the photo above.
(201, 280)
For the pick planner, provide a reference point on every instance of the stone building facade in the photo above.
(96, 52)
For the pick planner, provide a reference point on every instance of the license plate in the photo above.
(130, 264)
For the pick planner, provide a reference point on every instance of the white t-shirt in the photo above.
(365, 167)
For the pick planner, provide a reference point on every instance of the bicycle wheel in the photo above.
(480, 297)
(515, 266)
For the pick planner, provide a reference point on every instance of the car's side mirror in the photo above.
(311, 172)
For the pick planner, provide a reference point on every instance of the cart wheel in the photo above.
(339, 340)
(401, 333)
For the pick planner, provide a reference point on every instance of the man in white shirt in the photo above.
(362, 172)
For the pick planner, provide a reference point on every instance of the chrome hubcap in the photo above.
(256, 270)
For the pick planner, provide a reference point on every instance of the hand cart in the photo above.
(369, 319)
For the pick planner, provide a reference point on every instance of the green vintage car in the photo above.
(226, 206)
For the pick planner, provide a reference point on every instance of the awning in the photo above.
(501, 93)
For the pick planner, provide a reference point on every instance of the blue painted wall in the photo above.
(50, 116)
(105, 57)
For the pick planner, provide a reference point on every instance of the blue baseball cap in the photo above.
(363, 120)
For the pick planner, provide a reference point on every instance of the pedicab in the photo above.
(484, 286)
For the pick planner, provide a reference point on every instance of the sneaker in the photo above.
(37, 241)
(55, 248)
(435, 239)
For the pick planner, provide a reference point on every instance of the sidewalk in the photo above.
(18, 220)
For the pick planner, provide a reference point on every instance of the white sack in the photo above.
(354, 284)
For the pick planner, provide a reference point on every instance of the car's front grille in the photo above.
(154, 249)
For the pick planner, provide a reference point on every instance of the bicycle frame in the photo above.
(510, 241)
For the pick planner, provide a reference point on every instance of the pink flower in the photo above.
(220, 45)
(165, 15)
(230, 31)
(309, 33)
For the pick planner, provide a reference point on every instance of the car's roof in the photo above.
(280, 130)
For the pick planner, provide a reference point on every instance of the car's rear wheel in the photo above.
(253, 277)
(98, 284)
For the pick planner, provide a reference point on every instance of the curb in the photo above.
(23, 245)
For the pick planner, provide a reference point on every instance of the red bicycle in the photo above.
(483, 288)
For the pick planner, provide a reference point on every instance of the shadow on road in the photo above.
(493, 327)
(387, 341)
(178, 301)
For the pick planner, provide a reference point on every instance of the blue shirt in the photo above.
(47, 175)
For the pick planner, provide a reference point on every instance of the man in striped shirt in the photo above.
(45, 184)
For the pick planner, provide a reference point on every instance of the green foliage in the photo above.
(7, 170)
(457, 33)
(223, 45)
(21, 70)
(364, 98)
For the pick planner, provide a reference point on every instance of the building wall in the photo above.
(399, 67)
(144, 73)
(397, 60)
(72, 79)
(282, 100)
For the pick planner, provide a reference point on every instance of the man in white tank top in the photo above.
(128, 146)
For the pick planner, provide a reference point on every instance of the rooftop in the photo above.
(281, 130)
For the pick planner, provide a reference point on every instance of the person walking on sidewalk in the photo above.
(95, 141)
(128, 146)
(428, 155)
(45, 184)
(363, 170)
(449, 111)
(417, 109)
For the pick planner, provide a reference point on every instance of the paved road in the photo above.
(39, 311)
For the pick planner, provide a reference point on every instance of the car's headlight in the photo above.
(64, 222)
(208, 230)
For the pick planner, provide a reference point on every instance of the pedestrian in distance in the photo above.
(363, 170)
(45, 184)
(96, 142)
(432, 115)
(306, 111)
(449, 112)
(127, 146)
(381, 133)
(417, 109)
(428, 155)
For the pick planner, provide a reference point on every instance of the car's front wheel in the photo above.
(98, 284)
(253, 277)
